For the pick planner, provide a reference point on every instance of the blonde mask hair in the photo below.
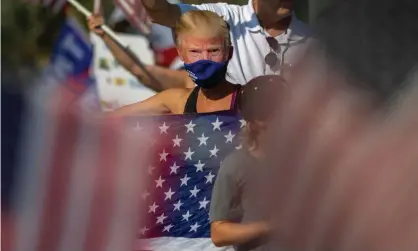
(201, 22)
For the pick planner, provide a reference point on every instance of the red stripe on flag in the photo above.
(103, 189)
(55, 200)
(7, 230)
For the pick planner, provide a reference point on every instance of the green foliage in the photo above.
(28, 31)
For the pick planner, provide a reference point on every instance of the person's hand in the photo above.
(94, 23)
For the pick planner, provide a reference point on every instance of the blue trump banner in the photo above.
(71, 56)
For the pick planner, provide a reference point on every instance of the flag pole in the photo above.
(97, 7)
(115, 38)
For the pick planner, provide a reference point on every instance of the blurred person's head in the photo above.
(203, 43)
(257, 102)
(373, 42)
(341, 168)
(272, 11)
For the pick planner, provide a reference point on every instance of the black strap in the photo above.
(191, 103)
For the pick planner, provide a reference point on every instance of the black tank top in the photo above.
(191, 102)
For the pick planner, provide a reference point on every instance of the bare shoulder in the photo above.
(177, 92)
(176, 98)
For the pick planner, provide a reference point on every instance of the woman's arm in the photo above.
(224, 233)
(167, 78)
(163, 102)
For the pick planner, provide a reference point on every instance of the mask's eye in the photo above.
(195, 52)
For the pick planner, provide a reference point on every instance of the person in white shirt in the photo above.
(267, 37)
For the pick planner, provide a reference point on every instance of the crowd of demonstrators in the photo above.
(204, 44)
(330, 123)
(165, 77)
(266, 35)
(160, 38)
(266, 38)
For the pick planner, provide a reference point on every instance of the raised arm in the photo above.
(162, 12)
(166, 78)
(167, 14)
(164, 102)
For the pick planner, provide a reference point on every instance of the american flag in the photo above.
(129, 184)
(181, 174)
(136, 14)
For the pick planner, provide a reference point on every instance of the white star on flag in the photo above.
(152, 208)
(199, 166)
(177, 206)
(188, 154)
(144, 230)
(150, 169)
(190, 127)
(145, 195)
(202, 139)
(214, 152)
(167, 228)
(186, 216)
(161, 218)
(217, 124)
(209, 178)
(174, 168)
(163, 128)
(168, 194)
(194, 192)
(238, 147)
(137, 127)
(229, 137)
(203, 203)
(163, 155)
(243, 123)
(194, 227)
(177, 141)
(184, 180)
(159, 182)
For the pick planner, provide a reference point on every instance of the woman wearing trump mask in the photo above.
(203, 42)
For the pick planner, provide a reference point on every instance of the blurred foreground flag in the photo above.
(182, 173)
(78, 181)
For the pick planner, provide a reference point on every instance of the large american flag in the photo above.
(182, 173)
(129, 184)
